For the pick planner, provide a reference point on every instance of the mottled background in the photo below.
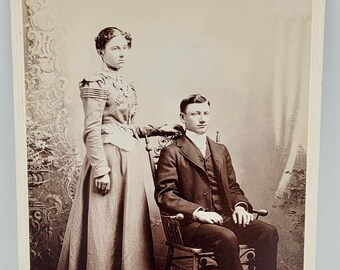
(250, 58)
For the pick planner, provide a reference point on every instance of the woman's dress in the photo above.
(110, 231)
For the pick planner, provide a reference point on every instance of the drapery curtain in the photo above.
(290, 84)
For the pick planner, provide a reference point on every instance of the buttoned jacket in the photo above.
(182, 183)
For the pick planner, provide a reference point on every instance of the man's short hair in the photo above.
(194, 98)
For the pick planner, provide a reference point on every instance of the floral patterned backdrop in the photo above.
(53, 162)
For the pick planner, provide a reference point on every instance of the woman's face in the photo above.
(115, 52)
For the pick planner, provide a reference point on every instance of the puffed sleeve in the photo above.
(94, 92)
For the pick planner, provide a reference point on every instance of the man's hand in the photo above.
(242, 217)
(208, 217)
(103, 184)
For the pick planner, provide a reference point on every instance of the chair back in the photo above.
(155, 147)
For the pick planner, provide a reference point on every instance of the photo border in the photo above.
(314, 118)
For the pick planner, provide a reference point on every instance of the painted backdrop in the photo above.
(250, 58)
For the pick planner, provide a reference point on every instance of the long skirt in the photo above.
(109, 232)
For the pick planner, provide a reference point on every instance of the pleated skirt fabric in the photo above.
(109, 232)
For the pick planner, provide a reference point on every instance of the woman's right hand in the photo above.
(103, 184)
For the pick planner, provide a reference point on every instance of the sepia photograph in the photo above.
(163, 134)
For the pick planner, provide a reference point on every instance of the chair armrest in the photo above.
(179, 216)
(260, 212)
(171, 227)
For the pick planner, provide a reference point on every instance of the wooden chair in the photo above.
(201, 258)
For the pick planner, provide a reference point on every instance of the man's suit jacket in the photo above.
(182, 184)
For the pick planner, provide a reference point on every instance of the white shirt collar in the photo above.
(198, 139)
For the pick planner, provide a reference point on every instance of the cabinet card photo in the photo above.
(85, 98)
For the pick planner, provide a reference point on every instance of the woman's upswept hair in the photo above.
(107, 34)
(194, 98)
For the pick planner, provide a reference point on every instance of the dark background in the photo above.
(329, 176)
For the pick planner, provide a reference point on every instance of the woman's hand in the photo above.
(103, 184)
(164, 130)
(169, 129)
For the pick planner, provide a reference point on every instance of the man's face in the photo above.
(196, 117)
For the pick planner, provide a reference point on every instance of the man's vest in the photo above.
(216, 193)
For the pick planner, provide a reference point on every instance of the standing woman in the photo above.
(109, 225)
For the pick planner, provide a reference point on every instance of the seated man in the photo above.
(195, 177)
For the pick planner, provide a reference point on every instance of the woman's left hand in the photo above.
(169, 129)
(166, 129)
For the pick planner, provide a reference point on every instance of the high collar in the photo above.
(188, 150)
(110, 70)
(199, 140)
